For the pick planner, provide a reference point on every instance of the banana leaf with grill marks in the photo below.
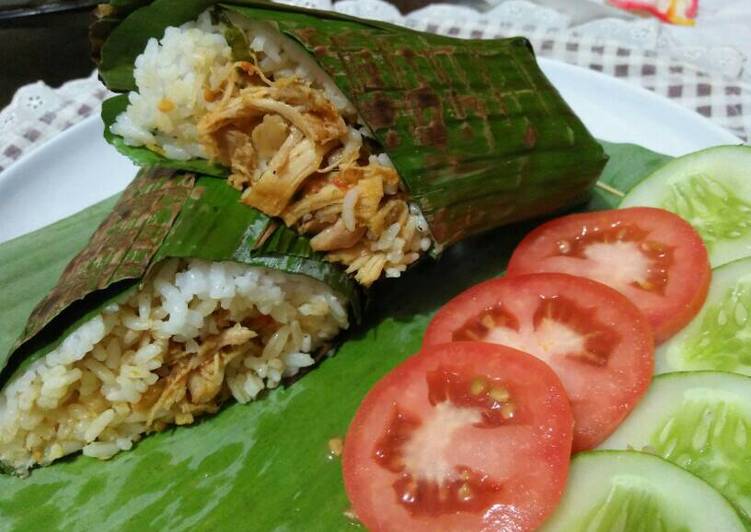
(163, 215)
(477, 133)
(261, 466)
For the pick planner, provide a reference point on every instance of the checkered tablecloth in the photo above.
(726, 100)
(39, 112)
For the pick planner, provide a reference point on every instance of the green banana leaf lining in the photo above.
(262, 466)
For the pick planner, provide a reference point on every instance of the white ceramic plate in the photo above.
(78, 168)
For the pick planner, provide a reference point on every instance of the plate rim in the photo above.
(644, 93)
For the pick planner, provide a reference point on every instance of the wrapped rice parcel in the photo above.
(379, 143)
(182, 300)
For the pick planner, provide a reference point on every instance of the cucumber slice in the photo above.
(630, 491)
(700, 421)
(719, 337)
(712, 190)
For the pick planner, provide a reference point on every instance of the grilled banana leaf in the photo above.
(261, 466)
(164, 215)
(478, 134)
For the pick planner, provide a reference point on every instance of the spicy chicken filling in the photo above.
(195, 336)
(292, 142)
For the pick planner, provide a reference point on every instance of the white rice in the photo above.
(348, 208)
(172, 75)
(86, 394)
(175, 72)
(284, 57)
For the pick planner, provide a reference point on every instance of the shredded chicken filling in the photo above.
(294, 155)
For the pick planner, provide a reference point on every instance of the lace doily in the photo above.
(705, 68)
(38, 112)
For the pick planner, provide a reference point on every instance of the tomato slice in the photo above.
(652, 256)
(464, 436)
(598, 343)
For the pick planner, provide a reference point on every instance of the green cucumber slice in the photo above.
(630, 491)
(719, 337)
(712, 190)
(700, 421)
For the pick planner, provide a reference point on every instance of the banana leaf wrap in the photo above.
(477, 133)
(269, 458)
(162, 215)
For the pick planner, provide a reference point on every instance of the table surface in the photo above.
(53, 48)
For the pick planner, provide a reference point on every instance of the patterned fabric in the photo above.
(38, 112)
(725, 101)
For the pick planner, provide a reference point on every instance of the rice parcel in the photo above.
(292, 140)
(376, 141)
(193, 334)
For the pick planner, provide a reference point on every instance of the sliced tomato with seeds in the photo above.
(652, 256)
(464, 436)
(598, 343)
